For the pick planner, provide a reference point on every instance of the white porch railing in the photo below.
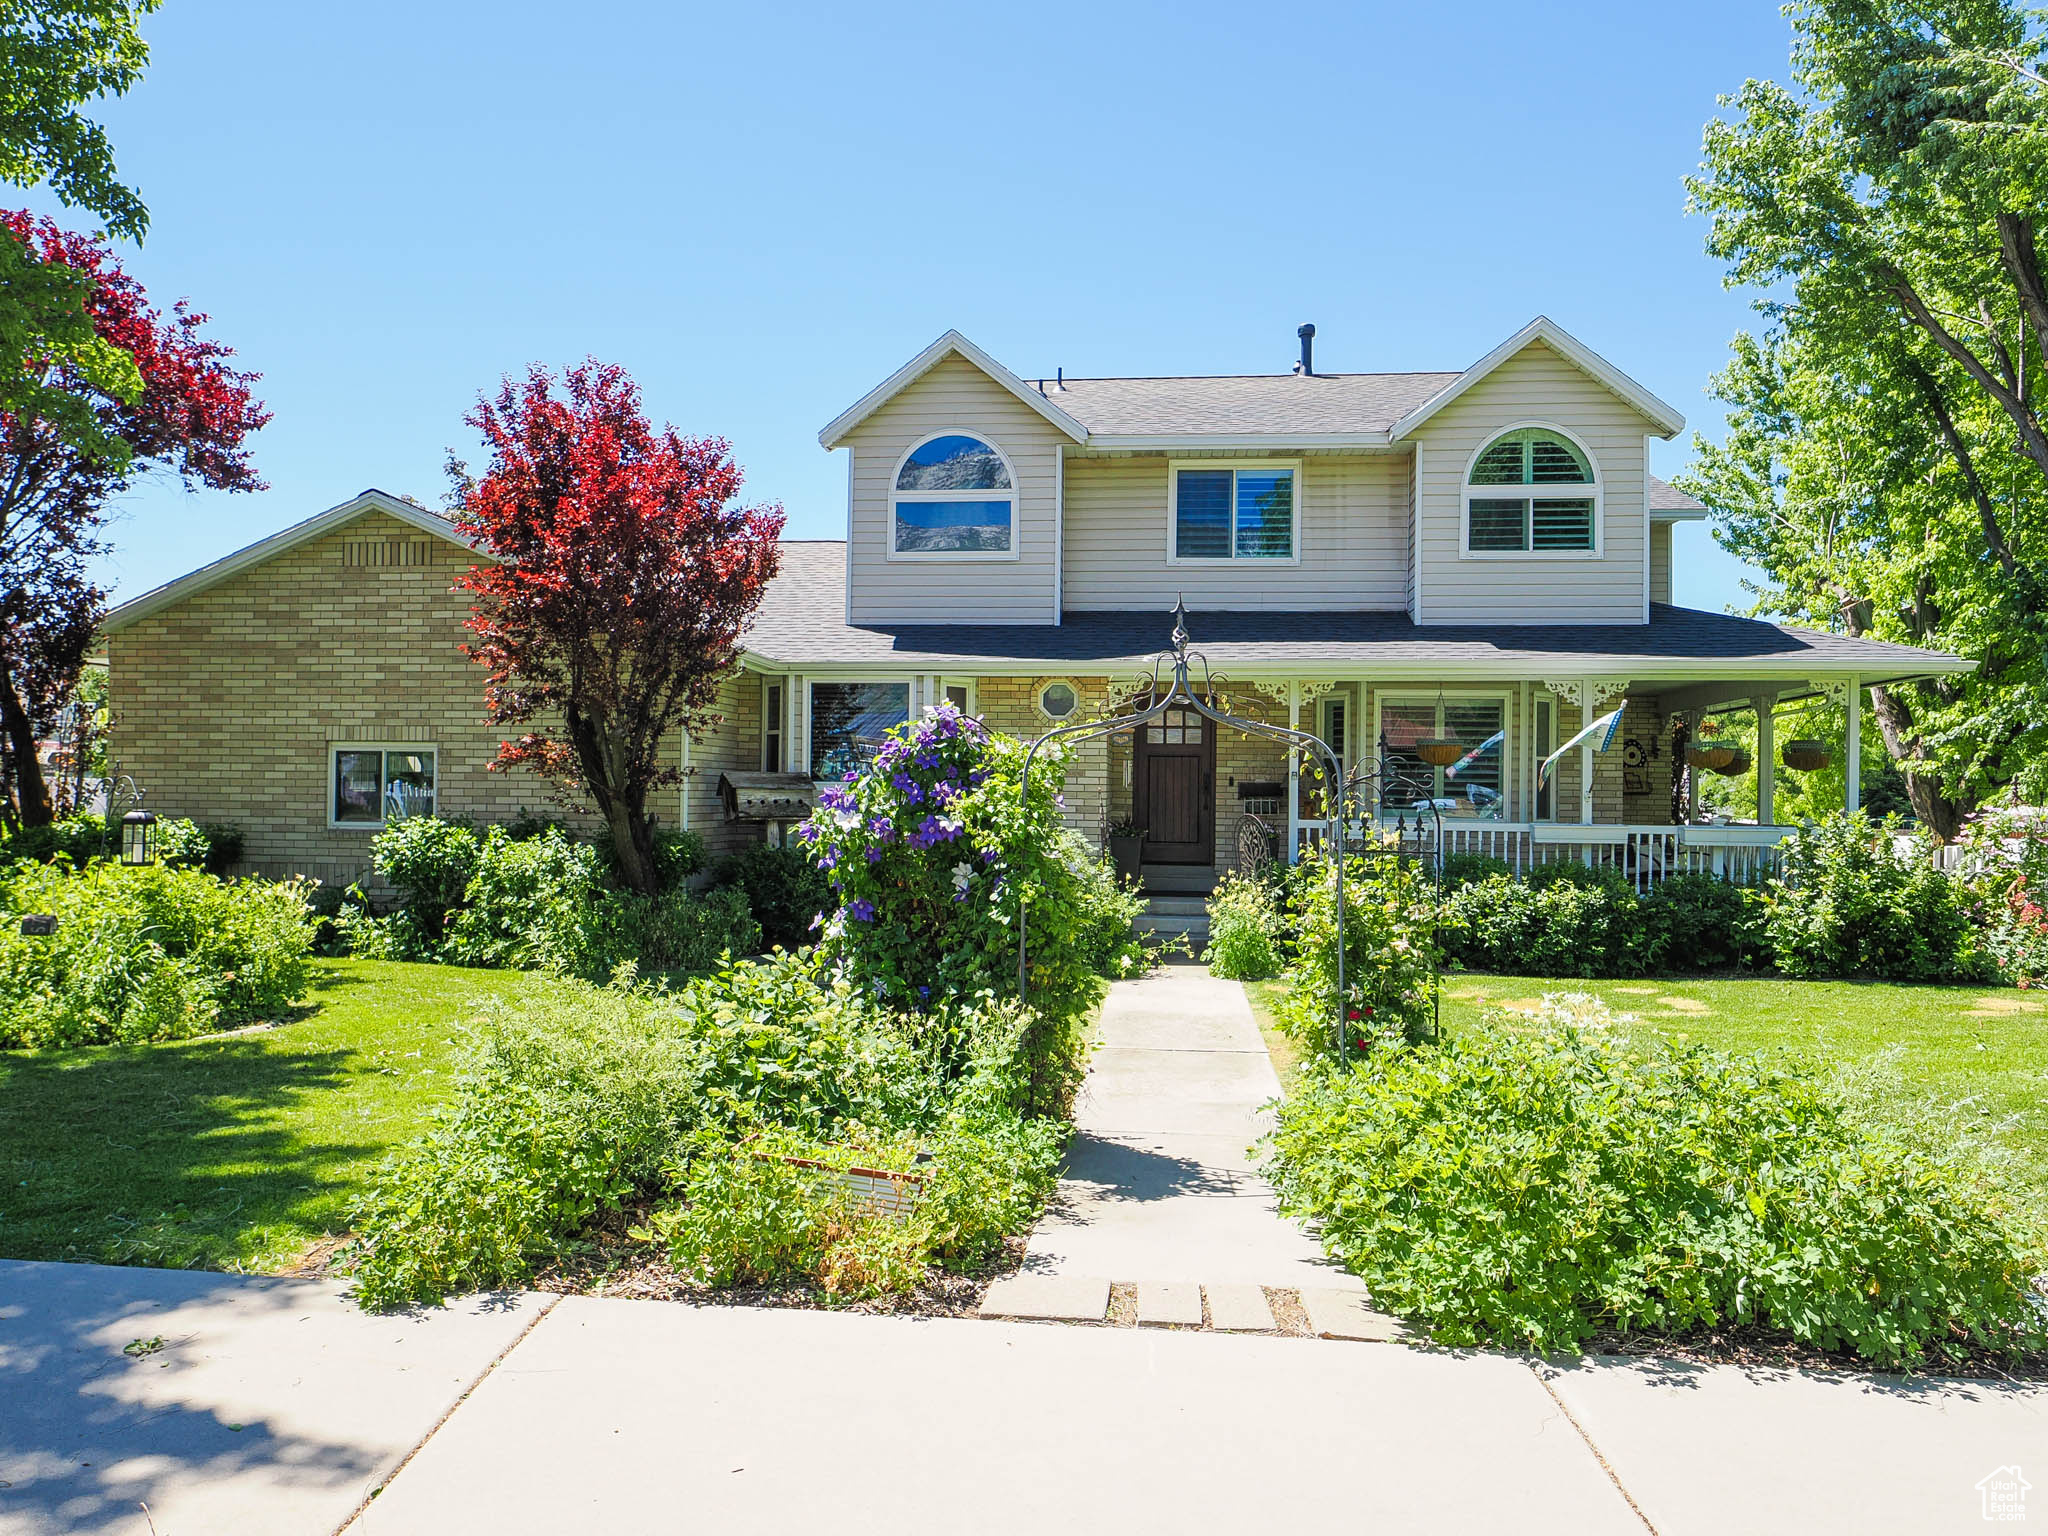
(1644, 853)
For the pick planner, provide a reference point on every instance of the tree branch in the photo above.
(2023, 264)
(1987, 515)
(2032, 439)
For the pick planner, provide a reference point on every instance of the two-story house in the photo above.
(1384, 559)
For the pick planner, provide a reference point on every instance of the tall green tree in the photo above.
(1887, 457)
(56, 57)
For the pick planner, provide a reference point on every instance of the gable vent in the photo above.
(384, 552)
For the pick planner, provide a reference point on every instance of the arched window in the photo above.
(953, 495)
(1532, 491)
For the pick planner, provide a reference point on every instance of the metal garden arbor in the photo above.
(1177, 690)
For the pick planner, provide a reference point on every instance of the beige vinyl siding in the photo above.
(1539, 386)
(1353, 550)
(954, 396)
(1660, 562)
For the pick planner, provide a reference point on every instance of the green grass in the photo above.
(1981, 1050)
(229, 1152)
(1287, 1056)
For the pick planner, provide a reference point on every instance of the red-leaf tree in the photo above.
(191, 418)
(623, 574)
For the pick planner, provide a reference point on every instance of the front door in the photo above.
(1175, 792)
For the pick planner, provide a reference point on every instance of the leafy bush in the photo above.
(1701, 923)
(578, 1099)
(1461, 869)
(1534, 1185)
(2016, 936)
(934, 854)
(151, 953)
(1849, 903)
(1390, 947)
(1560, 925)
(84, 838)
(785, 890)
(539, 902)
(1245, 925)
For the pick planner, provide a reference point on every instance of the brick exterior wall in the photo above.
(1009, 705)
(226, 705)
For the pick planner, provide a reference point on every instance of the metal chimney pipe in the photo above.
(1308, 349)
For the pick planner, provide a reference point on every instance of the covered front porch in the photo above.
(1487, 769)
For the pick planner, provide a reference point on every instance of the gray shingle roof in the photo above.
(801, 623)
(1669, 498)
(1254, 404)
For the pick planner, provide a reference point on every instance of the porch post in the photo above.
(1853, 790)
(1766, 759)
(1293, 773)
(1588, 695)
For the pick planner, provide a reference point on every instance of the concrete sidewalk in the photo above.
(1159, 1182)
(269, 1406)
(274, 1409)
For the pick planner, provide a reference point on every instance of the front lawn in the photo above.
(229, 1152)
(1983, 1049)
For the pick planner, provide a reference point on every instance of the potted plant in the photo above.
(1127, 848)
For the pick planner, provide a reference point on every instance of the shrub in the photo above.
(1700, 923)
(934, 855)
(1534, 1185)
(538, 902)
(84, 839)
(1245, 925)
(2016, 936)
(576, 1099)
(785, 890)
(1559, 925)
(1390, 945)
(1850, 904)
(152, 953)
(1462, 869)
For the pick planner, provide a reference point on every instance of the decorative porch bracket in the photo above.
(1171, 686)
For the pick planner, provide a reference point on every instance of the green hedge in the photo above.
(151, 953)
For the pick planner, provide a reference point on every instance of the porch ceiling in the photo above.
(801, 626)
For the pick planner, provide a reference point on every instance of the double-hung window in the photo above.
(1224, 511)
(1532, 492)
(370, 784)
(1473, 786)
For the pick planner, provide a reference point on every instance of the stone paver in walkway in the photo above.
(1347, 1315)
(1048, 1298)
(227, 1403)
(1159, 1182)
(1240, 1309)
(1169, 1304)
(647, 1416)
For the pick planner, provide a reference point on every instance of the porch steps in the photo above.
(1178, 879)
(1168, 916)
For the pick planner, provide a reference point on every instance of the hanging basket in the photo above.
(1439, 751)
(1805, 756)
(1738, 764)
(1713, 759)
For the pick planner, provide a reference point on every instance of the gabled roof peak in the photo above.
(952, 344)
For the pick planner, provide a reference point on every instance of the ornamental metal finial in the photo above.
(1179, 639)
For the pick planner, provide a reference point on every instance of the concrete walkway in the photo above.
(274, 1408)
(1159, 1183)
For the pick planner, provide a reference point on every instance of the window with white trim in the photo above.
(1222, 511)
(953, 496)
(1532, 491)
(1472, 786)
(370, 784)
(850, 721)
(771, 728)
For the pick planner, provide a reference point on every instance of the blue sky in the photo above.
(763, 210)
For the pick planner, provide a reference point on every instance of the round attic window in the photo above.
(1057, 701)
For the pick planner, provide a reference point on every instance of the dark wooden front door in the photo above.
(1175, 789)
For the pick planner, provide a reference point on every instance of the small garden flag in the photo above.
(1603, 729)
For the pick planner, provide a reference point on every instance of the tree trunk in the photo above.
(632, 846)
(31, 793)
(1938, 813)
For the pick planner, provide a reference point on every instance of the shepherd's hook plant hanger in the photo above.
(1173, 687)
